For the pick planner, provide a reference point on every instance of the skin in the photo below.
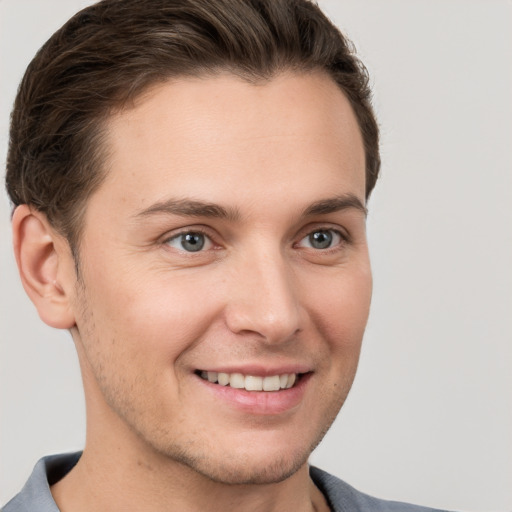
(146, 314)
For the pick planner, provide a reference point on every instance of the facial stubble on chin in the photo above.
(191, 455)
(240, 471)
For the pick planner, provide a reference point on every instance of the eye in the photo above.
(190, 241)
(321, 239)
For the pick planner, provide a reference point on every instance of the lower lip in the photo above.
(260, 402)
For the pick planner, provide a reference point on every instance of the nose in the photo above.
(263, 299)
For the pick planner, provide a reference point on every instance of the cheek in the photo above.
(153, 319)
(341, 307)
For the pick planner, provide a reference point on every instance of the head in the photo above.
(196, 175)
(108, 54)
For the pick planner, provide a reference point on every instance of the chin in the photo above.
(244, 471)
(243, 456)
(256, 463)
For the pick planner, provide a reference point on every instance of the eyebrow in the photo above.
(335, 204)
(195, 208)
(190, 208)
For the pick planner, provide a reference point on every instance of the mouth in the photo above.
(251, 382)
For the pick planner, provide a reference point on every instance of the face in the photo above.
(225, 280)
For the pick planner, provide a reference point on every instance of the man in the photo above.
(190, 182)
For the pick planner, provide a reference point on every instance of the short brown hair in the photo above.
(108, 53)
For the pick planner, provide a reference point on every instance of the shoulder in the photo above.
(344, 498)
(36, 494)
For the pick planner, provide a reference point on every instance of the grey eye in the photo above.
(321, 239)
(191, 241)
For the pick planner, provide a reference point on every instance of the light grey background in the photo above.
(429, 419)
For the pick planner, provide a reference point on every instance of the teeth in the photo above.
(223, 379)
(237, 380)
(272, 383)
(251, 382)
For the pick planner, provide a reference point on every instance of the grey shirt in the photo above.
(36, 496)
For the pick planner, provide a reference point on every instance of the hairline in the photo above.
(101, 149)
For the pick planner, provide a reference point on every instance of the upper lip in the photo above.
(259, 370)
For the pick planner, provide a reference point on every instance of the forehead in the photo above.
(186, 136)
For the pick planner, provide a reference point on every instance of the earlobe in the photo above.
(44, 260)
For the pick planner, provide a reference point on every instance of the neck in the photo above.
(118, 482)
(118, 471)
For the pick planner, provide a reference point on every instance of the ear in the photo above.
(46, 266)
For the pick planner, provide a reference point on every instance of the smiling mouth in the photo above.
(251, 382)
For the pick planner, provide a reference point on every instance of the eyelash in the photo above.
(343, 239)
(190, 231)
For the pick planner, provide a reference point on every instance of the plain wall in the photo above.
(429, 419)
